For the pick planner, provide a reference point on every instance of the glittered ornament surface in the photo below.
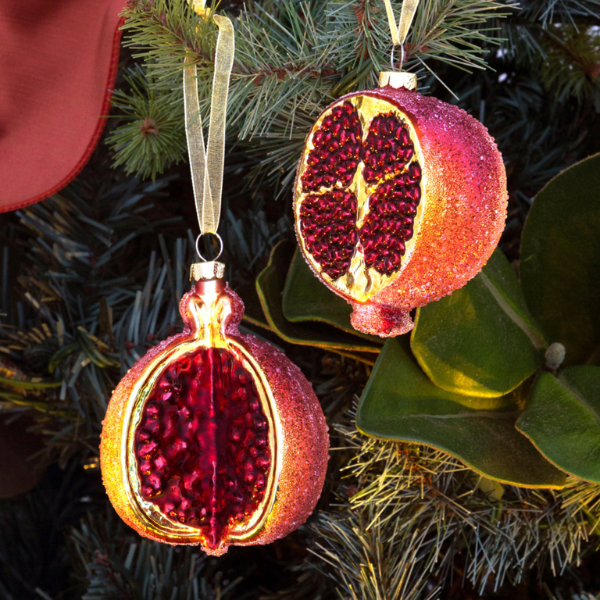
(400, 199)
(214, 438)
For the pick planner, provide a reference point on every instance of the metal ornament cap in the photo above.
(398, 79)
(207, 270)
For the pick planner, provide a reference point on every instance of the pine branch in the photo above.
(561, 11)
(292, 58)
(117, 565)
(98, 287)
(413, 506)
(153, 135)
(456, 32)
(79, 326)
(571, 66)
(34, 562)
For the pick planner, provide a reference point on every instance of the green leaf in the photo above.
(270, 284)
(562, 418)
(560, 260)
(305, 298)
(481, 340)
(401, 403)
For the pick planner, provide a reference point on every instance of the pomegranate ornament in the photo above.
(214, 437)
(400, 199)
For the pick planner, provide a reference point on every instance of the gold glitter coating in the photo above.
(461, 215)
(298, 433)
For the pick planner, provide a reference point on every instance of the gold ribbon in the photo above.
(399, 33)
(207, 165)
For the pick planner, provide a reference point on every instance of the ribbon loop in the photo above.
(399, 33)
(207, 164)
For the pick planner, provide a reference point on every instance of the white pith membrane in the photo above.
(149, 513)
(361, 282)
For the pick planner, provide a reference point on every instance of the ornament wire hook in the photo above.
(198, 247)
(402, 56)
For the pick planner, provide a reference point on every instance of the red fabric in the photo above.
(58, 61)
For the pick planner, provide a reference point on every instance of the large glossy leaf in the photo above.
(481, 340)
(305, 298)
(560, 260)
(270, 284)
(401, 403)
(562, 418)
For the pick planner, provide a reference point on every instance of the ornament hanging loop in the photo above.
(198, 246)
(402, 56)
(399, 32)
(206, 162)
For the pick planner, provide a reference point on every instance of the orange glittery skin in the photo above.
(302, 443)
(463, 216)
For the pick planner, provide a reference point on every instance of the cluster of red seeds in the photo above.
(328, 219)
(328, 225)
(388, 148)
(389, 224)
(337, 150)
(202, 443)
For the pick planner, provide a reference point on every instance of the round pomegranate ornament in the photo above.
(214, 438)
(400, 199)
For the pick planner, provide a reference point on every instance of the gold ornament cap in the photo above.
(398, 79)
(204, 271)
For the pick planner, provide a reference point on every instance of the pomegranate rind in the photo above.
(302, 441)
(463, 212)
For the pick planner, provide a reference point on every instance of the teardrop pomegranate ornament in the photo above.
(214, 437)
(400, 199)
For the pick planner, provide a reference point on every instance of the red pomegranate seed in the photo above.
(388, 222)
(333, 143)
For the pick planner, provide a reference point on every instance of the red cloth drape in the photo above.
(58, 62)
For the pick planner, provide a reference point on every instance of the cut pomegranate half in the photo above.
(207, 437)
(399, 200)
